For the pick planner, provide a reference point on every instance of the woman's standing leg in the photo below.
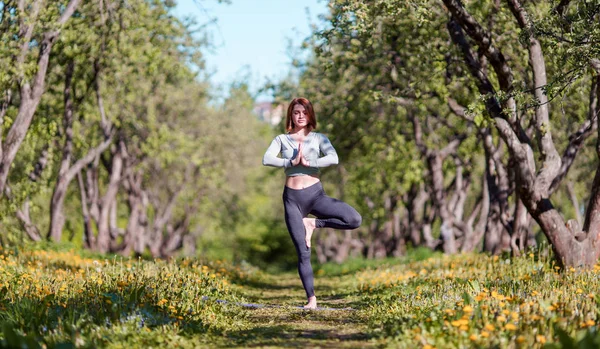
(293, 219)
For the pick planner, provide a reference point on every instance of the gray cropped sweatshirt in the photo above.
(314, 145)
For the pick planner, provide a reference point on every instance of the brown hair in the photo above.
(312, 119)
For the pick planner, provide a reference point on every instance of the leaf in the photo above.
(474, 284)
(564, 339)
(467, 298)
(12, 338)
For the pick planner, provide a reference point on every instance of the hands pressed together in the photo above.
(300, 159)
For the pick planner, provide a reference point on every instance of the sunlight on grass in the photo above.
(62, 297)
(476, 300)
(48, 298)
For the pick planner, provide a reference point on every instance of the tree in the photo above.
(34, 28)
(573, 246)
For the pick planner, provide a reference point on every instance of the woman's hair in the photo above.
(312, 119)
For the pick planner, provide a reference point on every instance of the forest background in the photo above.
(461, 126)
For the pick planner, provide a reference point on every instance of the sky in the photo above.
(251, 37)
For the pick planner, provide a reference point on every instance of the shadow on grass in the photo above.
(26, 320)
(263, 284)
(290, 337)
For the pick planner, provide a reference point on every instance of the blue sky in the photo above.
(251, 37)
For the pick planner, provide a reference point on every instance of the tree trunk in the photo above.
(88, 232)
(135, 232)
(30, 228)
(160, 222)
(57, 217)
(447, 228)
(104, 240)
(473, 240)
(520, 228)
(416, 213)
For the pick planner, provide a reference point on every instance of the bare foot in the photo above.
(309, 226)
(312, 303)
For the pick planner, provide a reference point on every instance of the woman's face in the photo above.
(299, 116)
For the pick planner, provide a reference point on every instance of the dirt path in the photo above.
(278, 321)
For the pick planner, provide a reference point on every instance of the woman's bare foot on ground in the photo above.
(312, 303)
(309, 226)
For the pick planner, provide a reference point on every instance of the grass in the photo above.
(62, 298)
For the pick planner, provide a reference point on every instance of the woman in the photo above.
(303, 194)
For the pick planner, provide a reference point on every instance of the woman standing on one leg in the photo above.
(303, 194)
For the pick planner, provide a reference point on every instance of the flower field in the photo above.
(481, 301)
(49, 298)
(69, 299)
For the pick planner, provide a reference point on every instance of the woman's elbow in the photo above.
(335, 160)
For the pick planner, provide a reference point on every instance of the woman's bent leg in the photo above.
(293, 220)
(334, 213)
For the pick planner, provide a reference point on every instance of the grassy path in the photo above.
(282, 323)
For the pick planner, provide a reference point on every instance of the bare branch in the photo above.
(48, 40)
(551, 159)
(40, 165)
(89, 157)
(3, 109)
(418, 134)
(458, 109)
(452, 146)
(405, 102)
(25, 218)
(517, 141)
(105, 123)
(463, 20)
(595, 64)
(484, 41)
(69, 10)
(26, 28)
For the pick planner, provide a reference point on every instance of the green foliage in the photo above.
(352, 266)
(587, 339)
(249, 226)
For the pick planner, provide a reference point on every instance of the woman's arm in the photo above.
(330, 155)
(270, 158)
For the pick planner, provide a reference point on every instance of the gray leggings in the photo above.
(330, 213)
